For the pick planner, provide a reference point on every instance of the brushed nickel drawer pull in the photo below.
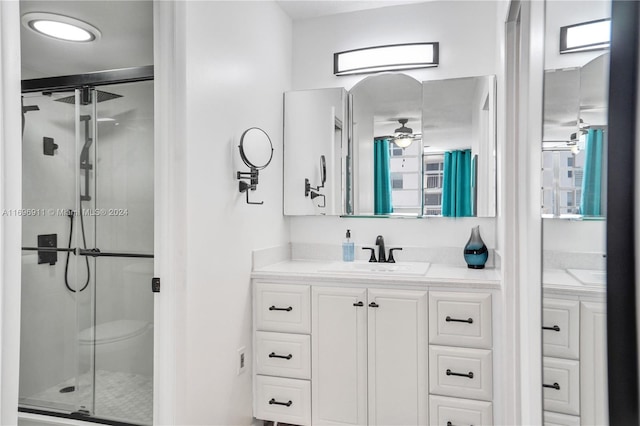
(451, 373)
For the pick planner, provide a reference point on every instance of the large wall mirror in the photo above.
(574, 174)
(409, 148)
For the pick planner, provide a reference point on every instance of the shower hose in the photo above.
(84, 242)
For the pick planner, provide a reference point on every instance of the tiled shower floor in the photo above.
(126, 397)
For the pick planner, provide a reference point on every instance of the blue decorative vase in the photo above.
(475, 252)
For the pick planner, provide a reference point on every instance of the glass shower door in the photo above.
(87, 304)
(123, 217)
(56, 373)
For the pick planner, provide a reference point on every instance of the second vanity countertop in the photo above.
(563, 282)
(329, 272)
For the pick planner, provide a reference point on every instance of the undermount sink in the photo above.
(589, 276)
(401, 268)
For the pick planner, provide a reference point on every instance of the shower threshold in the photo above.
(120, 399)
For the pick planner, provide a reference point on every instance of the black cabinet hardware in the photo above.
(554, 328)
(451, 373)
(449, 319)
(358, 304)
(451, 424)
(373, 305)
(273, 355)
(273, 401)
(155, 285)
(273, 308)
(553, 386)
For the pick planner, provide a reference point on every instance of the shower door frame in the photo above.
(91, 81)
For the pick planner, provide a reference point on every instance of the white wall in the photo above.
(466, 31)
(10, 188)
(238, 64)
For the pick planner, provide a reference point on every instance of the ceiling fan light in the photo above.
(403, 141)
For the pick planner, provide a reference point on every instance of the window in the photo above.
(433, 180)
(562, 172)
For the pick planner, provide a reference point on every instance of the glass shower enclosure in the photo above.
(87, 257)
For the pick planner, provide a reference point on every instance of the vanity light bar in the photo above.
(592, 35)
(386, 58)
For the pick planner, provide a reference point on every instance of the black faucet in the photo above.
(381, 254)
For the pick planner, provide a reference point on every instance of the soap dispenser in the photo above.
(348, 248)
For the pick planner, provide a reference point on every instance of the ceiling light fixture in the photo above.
(592, 35)
(403, 135)
(386, 58)
(60, 27)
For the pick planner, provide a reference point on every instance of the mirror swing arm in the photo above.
(252, 174)
(314, 191)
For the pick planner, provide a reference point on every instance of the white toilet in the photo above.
(121, 346)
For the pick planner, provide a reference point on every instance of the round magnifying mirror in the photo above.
(256, 148)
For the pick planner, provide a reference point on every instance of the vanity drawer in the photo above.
(561, 328)
(281, 307)
(283, 400)
(460, 319)
(286, 355)
(561, 380)
(557, 419)
(460, 372)
(445, 411)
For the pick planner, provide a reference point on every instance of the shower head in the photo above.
(102, 96)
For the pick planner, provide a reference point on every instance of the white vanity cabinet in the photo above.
(369, 356)
(460, 358)
(346, 353)
(574, 361)
(282, 348)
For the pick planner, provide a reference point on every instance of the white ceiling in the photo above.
(127, 38)
(304, 9)
(127, 32)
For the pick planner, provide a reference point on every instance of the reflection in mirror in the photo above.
(385, 152)
(574, 171)
(313, 141)
(459, 138)
(575, 141)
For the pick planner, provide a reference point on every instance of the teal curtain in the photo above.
(591, 200)
(381, 177)
(456, 186)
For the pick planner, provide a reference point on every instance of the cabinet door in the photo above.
(339, 356)
(593, 364)
(397, 357)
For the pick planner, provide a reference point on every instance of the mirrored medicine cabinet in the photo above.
(574, 142)
(392, 147)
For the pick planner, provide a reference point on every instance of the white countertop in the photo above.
(324, 272)
(560, 282)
